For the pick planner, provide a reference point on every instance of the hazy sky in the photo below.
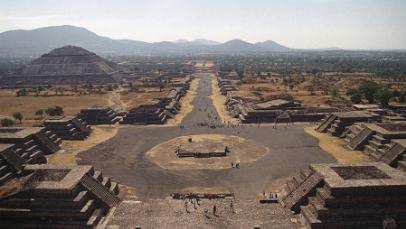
(357, 24)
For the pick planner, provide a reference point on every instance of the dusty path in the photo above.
(186, 104)
(219, 102)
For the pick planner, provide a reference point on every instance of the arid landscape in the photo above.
(123, 115)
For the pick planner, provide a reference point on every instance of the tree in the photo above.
(39, 112)
(356, 98)
(369, 89)
(6, 122)
(383, 96)
(18, 116)
(402, 96)
(54, 111)
(21, 92)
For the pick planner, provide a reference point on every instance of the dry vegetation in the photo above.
(28, 105)
(315, 91)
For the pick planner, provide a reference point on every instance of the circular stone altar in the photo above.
(240, 149)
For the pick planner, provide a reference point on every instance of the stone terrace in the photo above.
(58, 197)
(350, 196)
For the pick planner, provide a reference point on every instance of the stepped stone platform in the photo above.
(273, 111)
(336, 123)
(32, 143)
(58, 197)
(64, 66)
(68, 127)
(98, 115)
(11, 163)
(349, 196)
(158, 113)
(380, 141)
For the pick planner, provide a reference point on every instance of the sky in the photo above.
(350, 24)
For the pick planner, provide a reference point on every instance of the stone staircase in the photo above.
(10, 164)
(359, 140)
(326, 123)
(103, 189)
(327, 211)
(377, 147)
(299, 188)
(47, 141)
(68, 128)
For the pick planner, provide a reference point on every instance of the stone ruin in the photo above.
(98, 115)
(336, 123)
(202, 150)
(48, 196)
(31, 144)
(277, 110)
(64, 66)
(11, 164)
(347, 196)
(157, 113)
(68, 127)
(380, 141)
(225, 86)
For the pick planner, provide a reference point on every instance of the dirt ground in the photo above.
(219, 102)
(134, 99)
(336, 147)
(67, 156)
(27, 105)
(242, 150)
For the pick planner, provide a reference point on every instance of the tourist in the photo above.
(214, 210)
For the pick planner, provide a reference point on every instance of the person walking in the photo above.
(214, 210)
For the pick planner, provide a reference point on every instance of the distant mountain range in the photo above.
(39, 41)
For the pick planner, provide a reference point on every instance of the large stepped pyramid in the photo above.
(58, 197)
(351, 196)
(63, 66)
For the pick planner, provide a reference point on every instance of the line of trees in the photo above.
(374, 93)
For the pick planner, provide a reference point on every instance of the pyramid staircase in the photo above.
(300, 187)
(326, 123)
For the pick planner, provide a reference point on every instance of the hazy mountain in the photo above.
(202, 41)
(39, 41)
(271, 46)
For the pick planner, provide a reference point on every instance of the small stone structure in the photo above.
(157, 113)
(380, 141)
(11, 163)
(277, 110)
(226, 86)
(68, 127)
(98, 115)
(58, 197)
(31, 143)
(202, 150)
(336, 123)
(347, 196)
